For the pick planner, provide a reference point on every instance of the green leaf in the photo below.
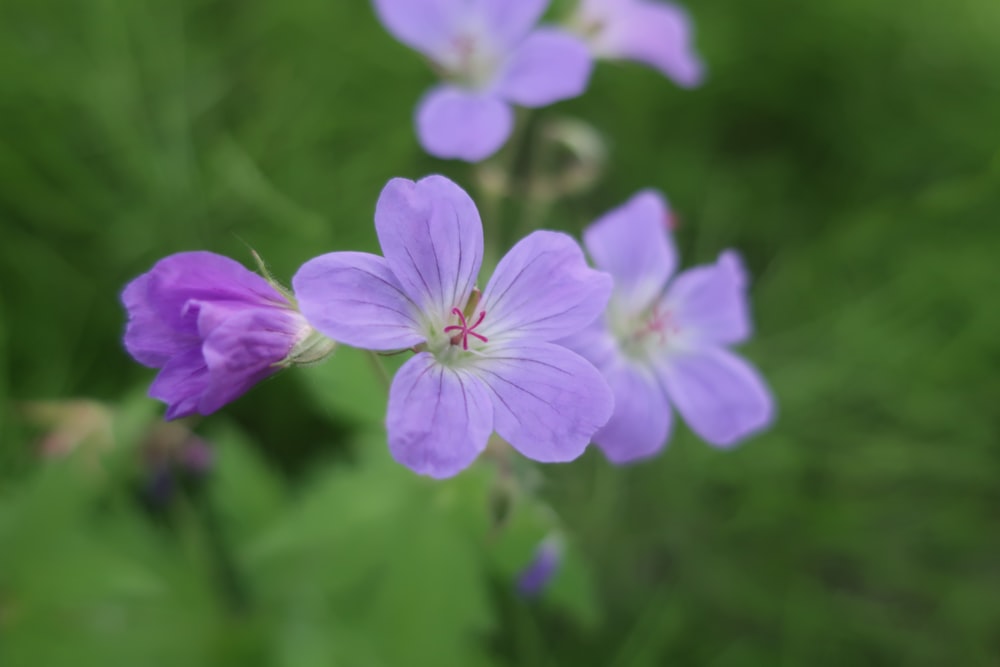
(350, 384)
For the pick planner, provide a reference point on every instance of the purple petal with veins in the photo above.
(484, 360)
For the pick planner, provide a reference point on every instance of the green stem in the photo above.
(233, 588)
(520, 168)
(379, 369)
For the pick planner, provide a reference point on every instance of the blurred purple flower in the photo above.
(660, 345)
(539, 572)
(172, 456)
(658, 34)
(213, 327)
(196, 456)
(480, 364)
(490, 58)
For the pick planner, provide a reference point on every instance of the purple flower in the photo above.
(662, 344)
(481, 364)
(213, 327)
(658, 34)
(490, 58)
(539, 572)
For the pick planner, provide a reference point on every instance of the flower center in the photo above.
(464, 330)
(470, 61)
(660, 323)
(591, 27)
(648, 336)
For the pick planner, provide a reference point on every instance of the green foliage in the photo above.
(849, 149)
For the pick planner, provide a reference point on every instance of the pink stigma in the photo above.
(661, 323)
(464, 330)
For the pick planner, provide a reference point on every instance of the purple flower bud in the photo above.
(213, 328)
(172, 458)
(196, 456)
(539, 572)
(159, 487)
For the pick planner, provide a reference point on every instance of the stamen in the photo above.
(464, 330)
(474, 298)
(660, 323)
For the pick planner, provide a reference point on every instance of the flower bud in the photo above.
(214, 329)
(539, 572)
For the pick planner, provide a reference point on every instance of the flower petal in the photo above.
(462, 125)
(510, 20)
(642, 419)
(180, 383)
(242, 347)
(550, 65)
(634, 245)
(657, 34)
(354, 298)
(709, 303)
(595, 343)
(424, 25)
(159, 326)
(543, 288)
(731, 260)
(432, 238)
(548, 401)
(151, 335)
(721, 396)
(439, 419)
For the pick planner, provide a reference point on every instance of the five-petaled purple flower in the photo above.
(490, 57)
(660, 345)
(658, 34)
(212, 326)
(482, 364)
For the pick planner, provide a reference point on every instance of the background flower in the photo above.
(658, 34)
(491, 56)
(661, 344)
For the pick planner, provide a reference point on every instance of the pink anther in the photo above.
(464, 330)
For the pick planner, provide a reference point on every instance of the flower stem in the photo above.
(232, 585)
(519, 172)
(379, 369)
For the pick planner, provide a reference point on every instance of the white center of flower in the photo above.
(470, 60)
(648, 335)
(597, 27)
(461, 336)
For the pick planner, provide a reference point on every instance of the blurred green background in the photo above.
(850, 149)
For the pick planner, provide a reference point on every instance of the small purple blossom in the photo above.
(212, 327)
(664, 342)
(536, 576)
(491, 56)
(482, 364)
(658, 34)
